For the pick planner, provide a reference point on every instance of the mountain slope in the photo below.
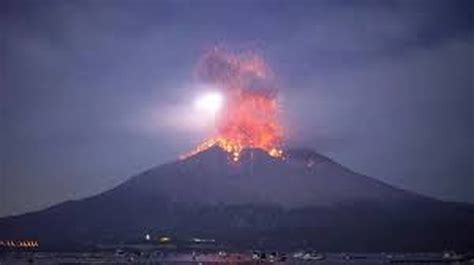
(302, 179)
(301, 201)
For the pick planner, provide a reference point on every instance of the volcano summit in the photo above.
(249, 119)
(305, 200)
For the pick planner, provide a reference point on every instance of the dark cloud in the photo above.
(382, 86)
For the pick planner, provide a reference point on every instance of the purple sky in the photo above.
(383, 87)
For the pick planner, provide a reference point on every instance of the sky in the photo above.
(94, 92)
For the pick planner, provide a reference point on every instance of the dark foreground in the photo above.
(13, 258)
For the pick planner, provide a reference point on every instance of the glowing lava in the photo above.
(249, 117)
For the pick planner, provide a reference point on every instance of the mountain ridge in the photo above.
(305, 198)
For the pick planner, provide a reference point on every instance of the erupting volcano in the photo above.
(304, 201)
(249, 118)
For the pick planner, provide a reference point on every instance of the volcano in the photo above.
(304, 200)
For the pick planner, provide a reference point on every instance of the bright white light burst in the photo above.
(210, 103)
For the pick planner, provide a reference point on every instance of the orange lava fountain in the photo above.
(249, 118)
